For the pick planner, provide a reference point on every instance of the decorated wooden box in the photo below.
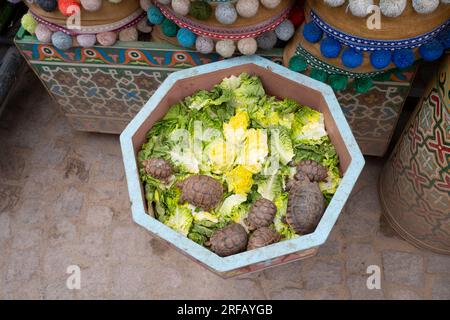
(102, 88)
(277, 81)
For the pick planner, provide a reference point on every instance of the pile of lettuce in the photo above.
(245, 139)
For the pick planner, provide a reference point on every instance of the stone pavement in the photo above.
(63, 201)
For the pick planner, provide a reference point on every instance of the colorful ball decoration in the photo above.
(66, 7)
(362, 85)
(226, 13)
(91, 5)
(403, 58)
(47, 5)
(204, 45)
(186, 37)
(143, 26)
(297, 16)
(425, 6)
(86, 40)
(29, 23)
(334, 3)
(154, 15)
(352, 58)
(380, 59)
(247, 46)
(42, 33)
(431, 51)
(312, 33)
(200, 10)
(267, 40)
(225, 48)
(359, 8)
(338, 82)
(128, 34)
(106, 38)
(392, 8)
(169, 28)
(270, 4)
(444, 38)
(318, 74)
(181, 6)
(298, 64)
(285, 30)
(330, 48)
(61, 40)
(145, 4)
(247, 8)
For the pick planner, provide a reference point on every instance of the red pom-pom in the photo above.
(64, 5)
(297, 15)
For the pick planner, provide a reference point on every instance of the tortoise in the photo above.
(201, 191)
(306, 204)
(262, 237)
(314, 170)
(228, 240)
(158, 168)
(261, 214)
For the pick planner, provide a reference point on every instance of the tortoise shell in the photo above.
(158, 168)
(201, 191)
(261, 214)
(314, 170)
(229, 240)
(262, 237)
(305, 207)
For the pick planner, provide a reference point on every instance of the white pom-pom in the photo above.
(359, 7)
(204, 45)
(225, 48)
(392, 8)
(143, 26)
(247, 8)
(425, 6)
(247, 46)
(181, 6)
(270, 4)
(334, 3)
(145, 4)
(226, 13)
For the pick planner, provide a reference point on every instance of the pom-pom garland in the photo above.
(204, 45)
(380, 59)
(42, 33)
(247, 8)
(47, 5)
(106, 38)
(61, 40)
(145, 4)
(86, 40)
(181, 6)
(169, 28)
(29, 23)
(403, 58)
(312, 32)
(432, 50)
(267, 40)
(392, 8)
(154, 15)
(225, 48)
(200, 10)
(226, 13)
(330, 48)
(444, 38)
(338, 82)
(247, 46)
(352, 58)
(425, 6)
(359, 8)
(362, 85)
(285, 30)
(297, 16)
(319, 75)
(144, 26)
(298, 64)
(186, 37)
(128, 34)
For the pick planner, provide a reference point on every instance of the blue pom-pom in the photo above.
(312, 32)
(403, 58)
(352, 58)
(444, 38)
(154, 15)
(380, 59)
(431, 51)
(330, 48)
(186, 38)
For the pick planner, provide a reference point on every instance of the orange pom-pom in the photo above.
(64, 5)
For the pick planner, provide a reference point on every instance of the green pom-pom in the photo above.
(362, 85)
(385, 76)
(298, 64)
(200, 10)
(338, 82)
(319, 75)
(29, 23)
(169, 28)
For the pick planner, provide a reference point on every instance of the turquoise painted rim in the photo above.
(264, 254)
